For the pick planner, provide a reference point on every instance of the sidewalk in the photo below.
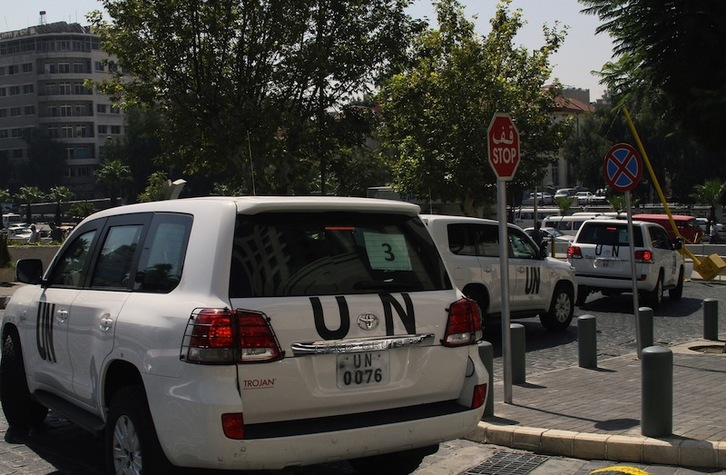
(596, 413)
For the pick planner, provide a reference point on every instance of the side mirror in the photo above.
(678, 244)
(29, 271)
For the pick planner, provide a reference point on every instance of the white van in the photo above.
(524, 217)
(11, 218)
(567, 224)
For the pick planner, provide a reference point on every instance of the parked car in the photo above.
(584, 198)
(538, 285)
(687, 226)
(564, 193)
(308, 330)
(542, 199)
(601, 256)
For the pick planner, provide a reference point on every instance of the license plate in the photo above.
(602, 263)
(356, 370)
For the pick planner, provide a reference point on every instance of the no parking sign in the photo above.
(623, 167)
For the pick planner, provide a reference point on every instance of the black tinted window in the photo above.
(609, 234)
(68, 271)
(162, 259)
(281, 254)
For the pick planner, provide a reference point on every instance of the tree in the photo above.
(46, 160)
(435, 113)
(710, 193)
(675, 47)
(113, 174)
(58, 194)
(247, 87)
(5, 197)
(29, 195)
(81, 210)
(155, 189)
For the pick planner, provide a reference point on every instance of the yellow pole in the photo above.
(656, 184)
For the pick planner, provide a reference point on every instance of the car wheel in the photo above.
(131, 445)
(677, 292)
(561, 310)
(655, 297)
(397, 463)
(21, 411)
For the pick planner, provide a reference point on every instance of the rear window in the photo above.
(608, 234)
(302, 254)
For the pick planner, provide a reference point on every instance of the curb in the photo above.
(676, 451)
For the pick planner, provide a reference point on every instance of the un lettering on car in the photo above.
(407, 316)
(615, 252)
(44, 331)
(533, 280)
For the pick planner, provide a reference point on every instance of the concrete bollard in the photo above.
(587, 341)
(486, 353)
(656, 419)
(518, 351)
(645, 323)
(710, 319)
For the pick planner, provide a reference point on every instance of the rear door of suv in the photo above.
(605, 248)
(358, 302)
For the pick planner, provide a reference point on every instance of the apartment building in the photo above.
(42, 73)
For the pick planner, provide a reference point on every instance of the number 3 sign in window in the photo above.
(387, 251)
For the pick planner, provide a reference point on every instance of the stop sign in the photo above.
(503, 143)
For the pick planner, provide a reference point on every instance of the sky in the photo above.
(582, 52)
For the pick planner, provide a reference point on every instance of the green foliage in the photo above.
(46, 160)
(564, 204)
(437, 111)
(673, 47)
(155, 188)
(113, 174)
(81, 210)
(29, 195)
(247, 87)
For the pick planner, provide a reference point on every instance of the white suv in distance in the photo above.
(538, 285)
(247, 333)
(600, 254)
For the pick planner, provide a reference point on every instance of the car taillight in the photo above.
(574, 252)
(223, 336)
(480, 396)
(644, 256)
(464, 324)
(233, 425)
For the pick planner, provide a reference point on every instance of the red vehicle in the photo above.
(687, 226)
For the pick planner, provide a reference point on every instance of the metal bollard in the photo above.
(486, 353)
(587, 341)
(645, 322)
(518, 350)
(710, 319)
(656, 416)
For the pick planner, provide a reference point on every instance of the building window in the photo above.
(16, 153)
(13, 69)
(115, 129)
(50, 88)
(3, 133)
(99, 66)
(28, 89)
(115, 110)
(82, 152)
(50, 68)
(3, 92)
(16, 133)
(64, 88)
(53, 131)
(102, 129)
(80, 89)
(66, 131)
(101, 108)
(27, 67)
(3, 113)
(2, 71)
(64, 67)
(14, 111)
(13, 90)
(29, 110)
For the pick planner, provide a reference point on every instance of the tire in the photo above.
(655, 297)
(130, 443)
(582, 293)
(21, 411)
(397, 463)
(562, 308)
(677, 292)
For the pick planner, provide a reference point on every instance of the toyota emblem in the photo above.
(367, 321)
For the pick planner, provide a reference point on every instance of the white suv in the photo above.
(538, 285)
(247, 333)
(600, 254)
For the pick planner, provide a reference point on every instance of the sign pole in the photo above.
(503, 148)
(636, 305)
(504, 287)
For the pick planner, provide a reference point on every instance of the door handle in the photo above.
(106, 322)
(61, 315)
